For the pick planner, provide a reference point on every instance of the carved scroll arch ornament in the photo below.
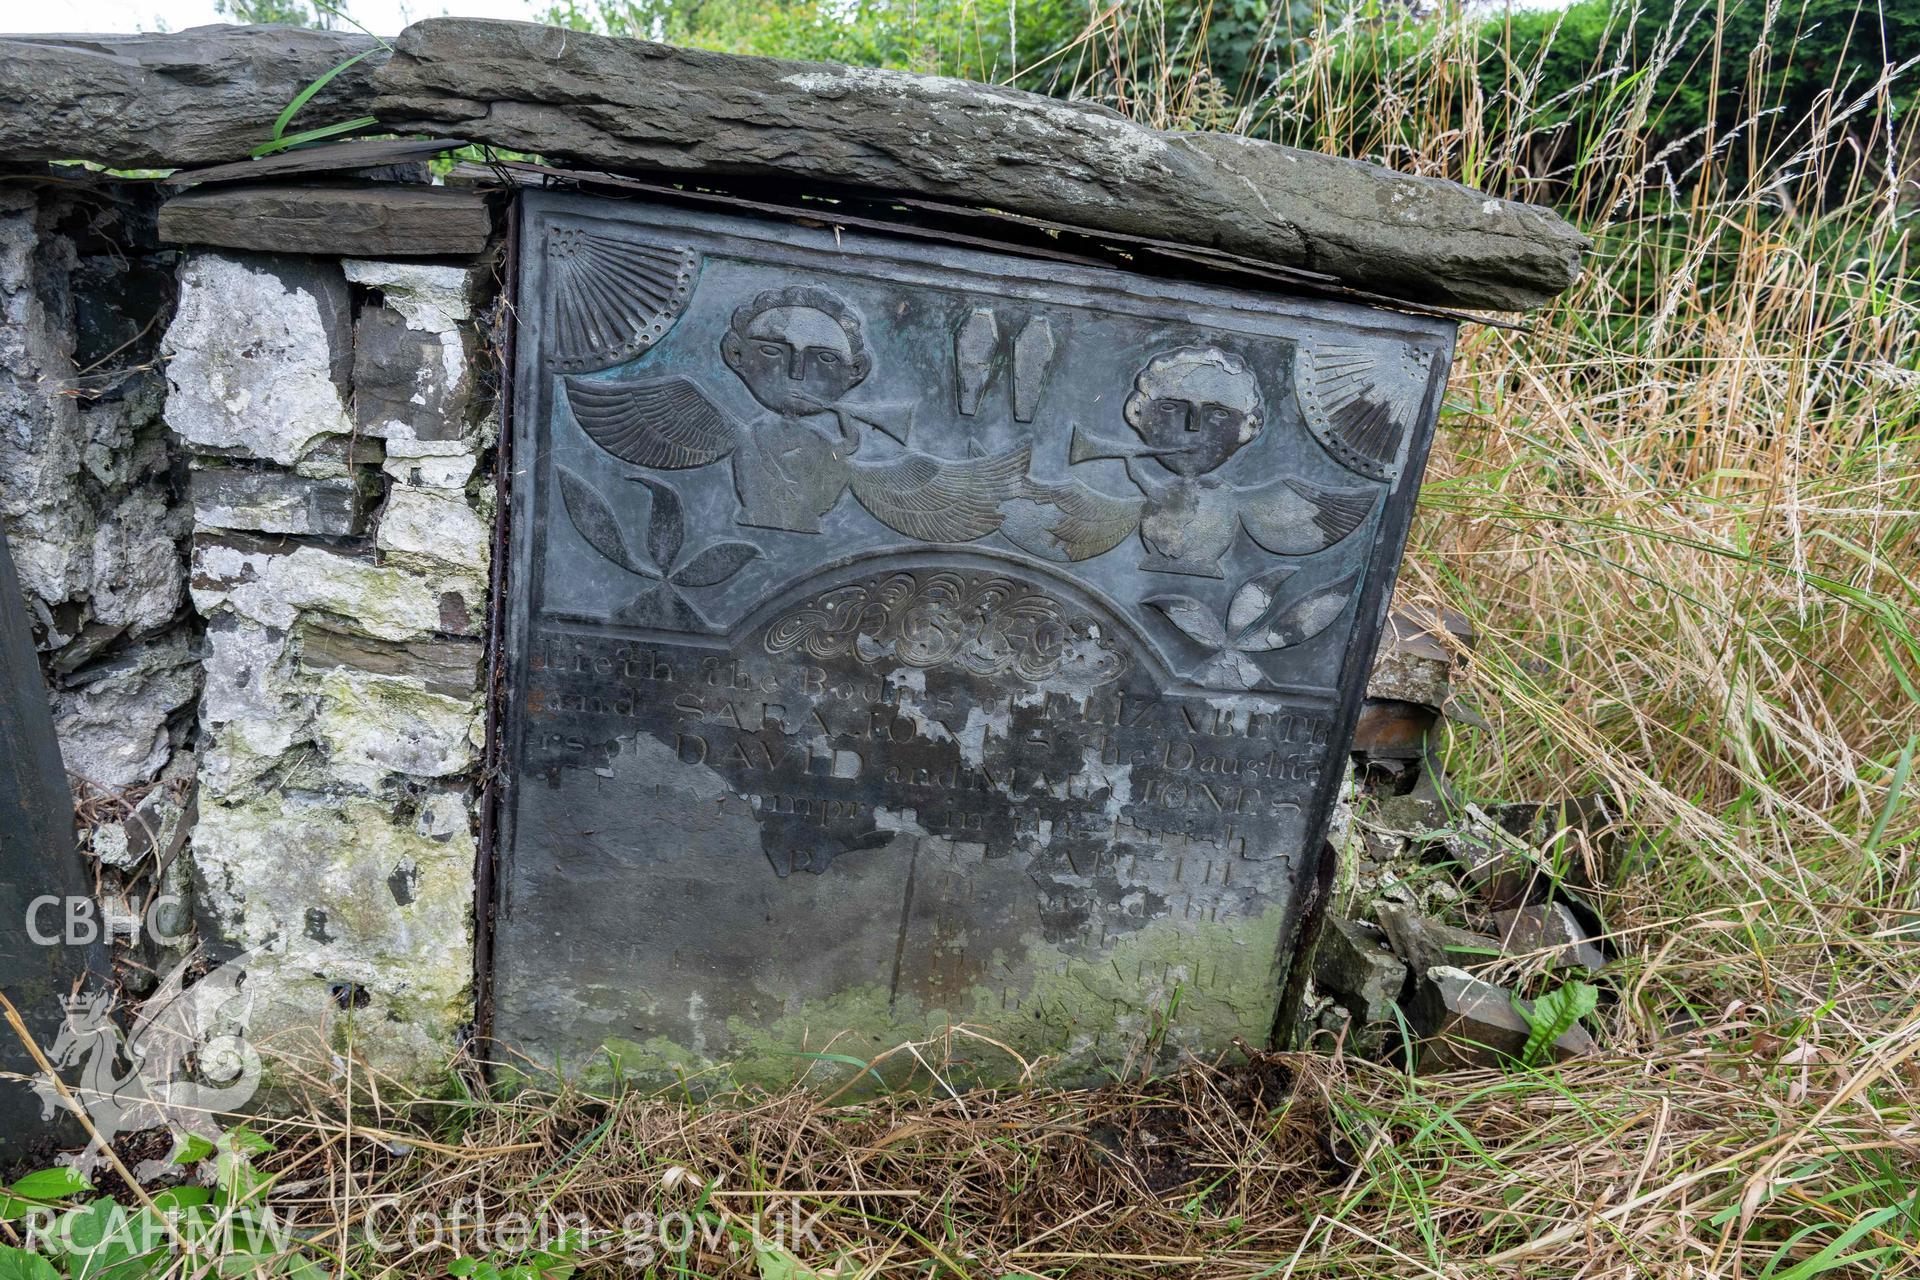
(865, 605)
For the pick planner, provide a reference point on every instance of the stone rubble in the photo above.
(1355, 966)
(88, 495)
(1441, 901)
(325, 630)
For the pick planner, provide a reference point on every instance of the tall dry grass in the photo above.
(1681, 508)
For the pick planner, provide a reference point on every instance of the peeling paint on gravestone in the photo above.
(903, 637)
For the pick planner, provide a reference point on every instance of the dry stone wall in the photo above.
(250, 498)
(92, 500)
(341, 529)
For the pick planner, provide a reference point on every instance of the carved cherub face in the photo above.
(798, 350)
(1195, 407)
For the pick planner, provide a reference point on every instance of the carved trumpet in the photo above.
(1085, 446)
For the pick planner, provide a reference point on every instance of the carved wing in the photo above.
(655, 422)
(941, 499)
(1070, 521)
(1294, 517)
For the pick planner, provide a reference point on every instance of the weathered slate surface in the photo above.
(198, 96)
(370, 220)
(356, 157)
(902, 636)
(38, 859)
(635, 105)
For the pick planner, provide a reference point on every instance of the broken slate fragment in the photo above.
(1549, 926)
(1354, 964)
(1580, 837)
(1414, 664)
(276, 502)
(1390, 729)
(1465, 1023)
(1505, 877)
(1424, 942)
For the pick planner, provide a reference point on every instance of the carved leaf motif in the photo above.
(716, 564)
(1299, 621)
(666, 528)
(1201, 624)
(595, 520)
(661, 606)
(1255, 603)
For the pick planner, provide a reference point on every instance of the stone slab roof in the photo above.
(207, 95)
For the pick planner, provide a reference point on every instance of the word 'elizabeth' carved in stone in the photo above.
(799, 352)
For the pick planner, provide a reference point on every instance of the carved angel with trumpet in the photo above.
(799, 352)
(1191, 409)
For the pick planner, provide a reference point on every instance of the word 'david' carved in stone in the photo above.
(906, 637)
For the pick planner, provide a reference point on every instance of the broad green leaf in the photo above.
(18, 1264)
(245, 1139)
(51, 1184)
(82, 1231)
(1553, 1014)
(193, 1150)
(181, 1198)
(776, 1263)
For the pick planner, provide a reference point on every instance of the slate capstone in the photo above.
(208, 95)
(626, 104)
(170, 99)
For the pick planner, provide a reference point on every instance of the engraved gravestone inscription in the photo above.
(904, 637)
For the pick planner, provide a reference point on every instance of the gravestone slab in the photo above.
(904, 637)
(40, 876)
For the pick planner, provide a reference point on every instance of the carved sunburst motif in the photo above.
(613, 300)
(1360, 400)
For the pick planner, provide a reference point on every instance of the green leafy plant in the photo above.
(101, 1239)
(552, 1262)
(1553, 1015)
(280, 140)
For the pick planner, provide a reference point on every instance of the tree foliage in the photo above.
(286, 13)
